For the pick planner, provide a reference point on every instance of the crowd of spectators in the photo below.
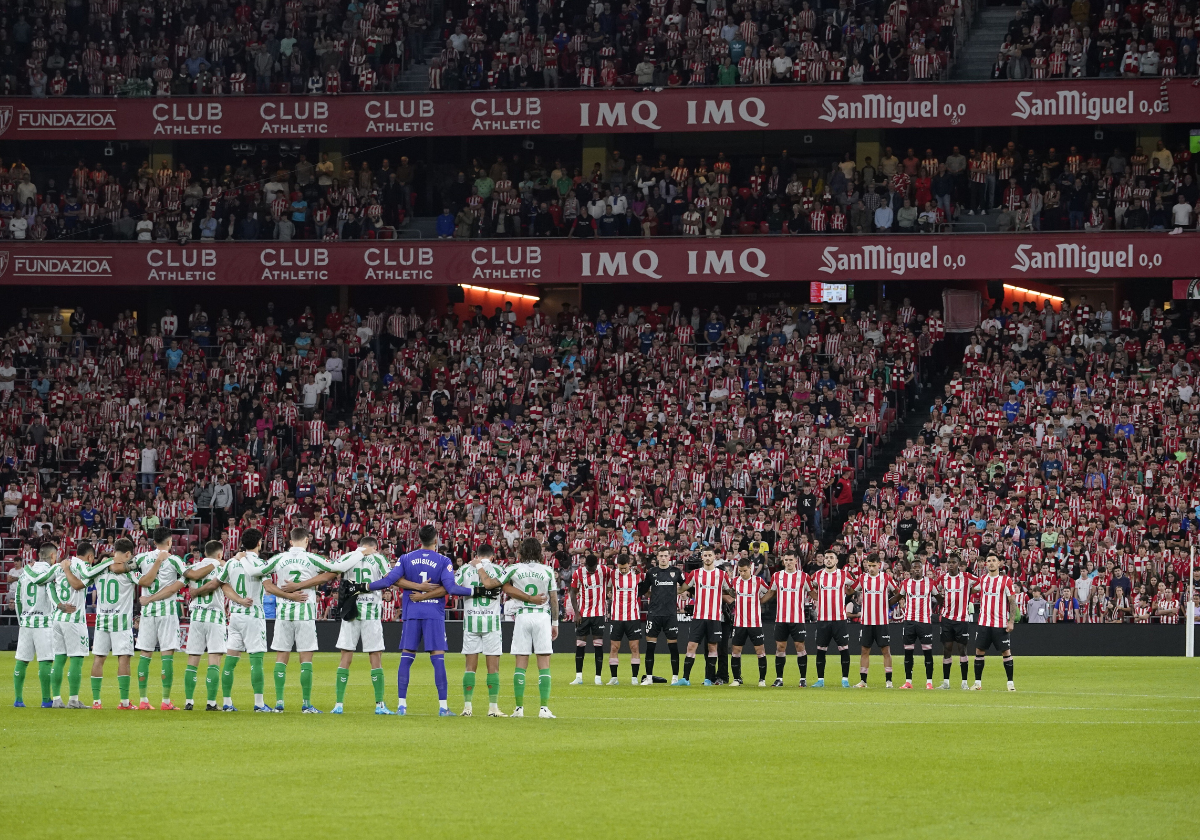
(501, 45)
(207, 47)
(918, 191)
(602, 432)
(1109, 40)
(299, 199)
(1067, 443)
(923, 191)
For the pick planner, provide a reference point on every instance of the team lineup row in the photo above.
(53, 628)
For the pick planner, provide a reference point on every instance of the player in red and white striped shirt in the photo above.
(589, 584)
(918, 620)
(788, 587)
(997, 611)
(877, 590)
(954, 595)
(829, 586)
(625, 621)
(746, 592)
(708, 585)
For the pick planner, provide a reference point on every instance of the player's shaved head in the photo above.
(428, 536)
(48, 553)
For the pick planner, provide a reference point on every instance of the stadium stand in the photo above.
(996, 187)
(1066, 441)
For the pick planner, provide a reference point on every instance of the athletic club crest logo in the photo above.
(3, 262)
(5, 118)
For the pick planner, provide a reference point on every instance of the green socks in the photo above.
(212, 681)
(168, 676)
(19, 681)
(280, 681)
(343, 676)
(377, 684)
(143, 674)
(306, 682)
(189, 682)
(74, 676)
(123, 686)
(56, 674)
(468, 685)
(493, 684)
(231, 663)
(519, 686)
(96, 683)
(544, 685)
(45, 666)
(257, 677)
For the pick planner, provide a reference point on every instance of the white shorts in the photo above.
(161, 631)
(531, 634)
(35, 643)
(70, 639)
(368, 631)
(489, 644)
(115, 642)
(205, 636)
(301, 634)
(247, 634)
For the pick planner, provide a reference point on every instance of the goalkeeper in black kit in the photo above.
(663, 584)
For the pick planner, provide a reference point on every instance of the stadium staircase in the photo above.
(415, 79)
(979, 53)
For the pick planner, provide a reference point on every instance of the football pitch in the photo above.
(1093, 747)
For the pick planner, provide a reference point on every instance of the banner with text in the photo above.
(967, 257)
(777, 107)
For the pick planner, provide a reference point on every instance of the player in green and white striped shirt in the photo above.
(34, 638)
(248, 575)
(116, 585)
(207, 630)
(366, 565)
(69, 624)
(295, 618)
(161, 576)
(481, 626)
(536, 624)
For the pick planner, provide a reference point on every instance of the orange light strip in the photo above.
(500, 292)
(1032, 292)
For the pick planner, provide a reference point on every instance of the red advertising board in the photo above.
(776, 107)
(1047, 257)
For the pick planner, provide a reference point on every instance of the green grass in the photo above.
(1093, 747)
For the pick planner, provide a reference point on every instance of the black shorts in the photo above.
(875, 634)
(664, 625)
(996, 637)
(707, 629)
(836, 631)
(918, 632)
(754, 635)
(590, 626)
(956, 631)
(618, 630)
(793, 630)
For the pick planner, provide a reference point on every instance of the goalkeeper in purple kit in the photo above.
(423, 613)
